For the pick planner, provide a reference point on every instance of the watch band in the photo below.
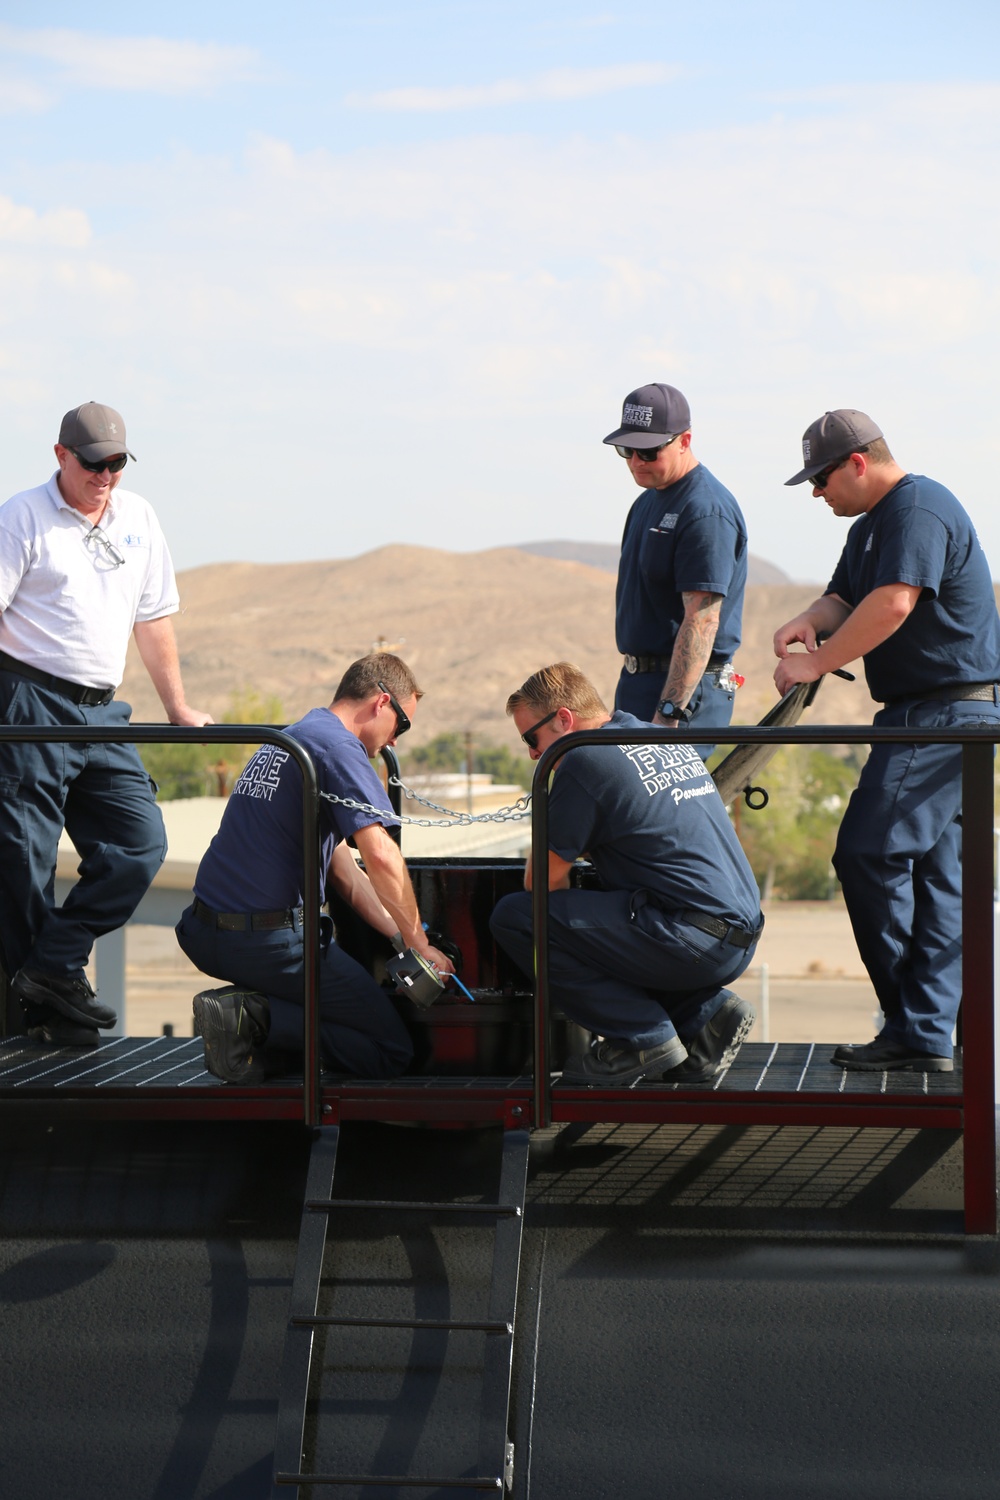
(670, 710)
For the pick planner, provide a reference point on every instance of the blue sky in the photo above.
(386, 276)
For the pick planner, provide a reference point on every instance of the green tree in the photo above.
(210, 770)
(790, 842)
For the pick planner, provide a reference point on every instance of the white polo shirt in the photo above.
(68, 607)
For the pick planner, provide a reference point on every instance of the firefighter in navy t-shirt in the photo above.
(644, 962)
(245, 923)
(683, 569)
(912, 595)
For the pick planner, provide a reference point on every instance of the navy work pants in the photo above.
(620, 966)
(898, 858)
(711, 705)
(361, 1031)
(105, 799)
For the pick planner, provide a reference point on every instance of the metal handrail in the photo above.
(232, 734)
(978, 747)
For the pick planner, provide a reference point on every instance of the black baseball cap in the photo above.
(835, 435)
(94, 431)
(650, 416)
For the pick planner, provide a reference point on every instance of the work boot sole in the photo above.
(735, 1030)
(225, 1054)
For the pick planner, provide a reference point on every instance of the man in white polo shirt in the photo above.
(83, 565)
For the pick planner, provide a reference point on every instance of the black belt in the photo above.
(242, 921)
(633, 664)
(75, 691)
(720, 929)
(959, 692)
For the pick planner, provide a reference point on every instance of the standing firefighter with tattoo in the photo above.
(682, 573)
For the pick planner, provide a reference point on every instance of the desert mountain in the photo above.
(472, 626)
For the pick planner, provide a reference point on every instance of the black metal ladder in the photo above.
(496, 1453)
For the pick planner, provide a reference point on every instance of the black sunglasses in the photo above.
(529, 734)
(402, 722)
(646, 454)
(822, 479)
(98, 465)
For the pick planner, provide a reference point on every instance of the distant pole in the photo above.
(468, 770)
(765, 1004)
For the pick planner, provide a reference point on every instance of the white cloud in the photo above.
(141, 63)
(429, 318)
(19, 96)
(558, 85)
(21, 225)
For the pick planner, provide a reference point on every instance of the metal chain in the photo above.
(451, 819)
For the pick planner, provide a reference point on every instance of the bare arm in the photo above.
(692, 649)
(874, 620)
(390, 881)
(559, 869)
(823, 617)
(158, 649)
(353, 886)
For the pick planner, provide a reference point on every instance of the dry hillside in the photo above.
(472, 625)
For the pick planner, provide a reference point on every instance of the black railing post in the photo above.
(540, 929)
(978, 1083)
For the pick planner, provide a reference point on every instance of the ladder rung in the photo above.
(395, 1481)
(453, 1325)
(499, 1210)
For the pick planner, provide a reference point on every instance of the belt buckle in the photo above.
(631, 664)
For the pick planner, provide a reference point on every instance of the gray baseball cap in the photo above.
(832, 437)
(650, 416)
(94, 431)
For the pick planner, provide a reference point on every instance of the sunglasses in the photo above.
(822, 479)
(529, 734)
(402, 722)
(98, 465)
(646, 454)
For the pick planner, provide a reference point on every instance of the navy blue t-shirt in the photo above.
(919, 534)
(254, 863)
(688, 538)
(649, 818)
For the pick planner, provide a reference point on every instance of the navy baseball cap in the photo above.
(650, 416)
(94, 431)
(834, 436)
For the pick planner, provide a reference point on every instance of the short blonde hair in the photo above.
(562, 685)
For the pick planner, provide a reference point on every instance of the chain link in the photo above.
(514, 814)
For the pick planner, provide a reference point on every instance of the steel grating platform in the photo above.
(165, 1077)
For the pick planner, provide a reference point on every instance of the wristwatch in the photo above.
(668, 710)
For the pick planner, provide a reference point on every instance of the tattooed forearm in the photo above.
(693, 646)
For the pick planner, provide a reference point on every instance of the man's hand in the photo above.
(795, 668)
(801, 629)
(440, 960)
(190, 718)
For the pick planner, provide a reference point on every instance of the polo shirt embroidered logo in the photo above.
(868, 544)
(133, 539)
(637, 416)
(667, 523)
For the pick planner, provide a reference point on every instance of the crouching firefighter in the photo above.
(244, 925)
(643, 963)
